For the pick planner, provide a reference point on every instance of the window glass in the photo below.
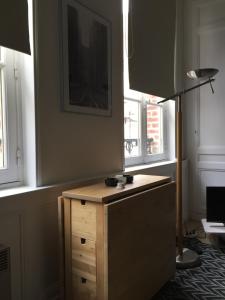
(154, 122)
(132, 142)
(9, 115)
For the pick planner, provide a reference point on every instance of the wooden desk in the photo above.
(119, 244)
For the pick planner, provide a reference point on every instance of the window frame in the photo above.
(9, 86)
(145, 158)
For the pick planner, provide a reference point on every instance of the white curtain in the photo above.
(14, 32)
(152, 27)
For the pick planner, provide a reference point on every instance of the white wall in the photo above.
(70, 145)
(204, 119)
(29, 225)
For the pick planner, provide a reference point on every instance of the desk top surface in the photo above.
(101, 193)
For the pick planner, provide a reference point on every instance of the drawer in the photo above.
(83, 219)
(83, 255)
(84, 288)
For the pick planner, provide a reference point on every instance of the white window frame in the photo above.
(12, 173)
(145, 158)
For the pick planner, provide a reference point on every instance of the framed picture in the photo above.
(86, 60)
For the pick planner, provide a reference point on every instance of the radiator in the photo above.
(5, 280)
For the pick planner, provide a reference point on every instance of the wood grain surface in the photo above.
(104, 194)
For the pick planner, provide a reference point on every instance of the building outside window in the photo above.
(143, 127)
(145, 121)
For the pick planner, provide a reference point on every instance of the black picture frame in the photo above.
(86, 60)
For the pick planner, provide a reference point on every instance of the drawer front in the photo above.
(83, 255)
(83, 219)
(83, 288)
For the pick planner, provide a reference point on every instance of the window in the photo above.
(9, 127)
(144, 130)
(145, 121)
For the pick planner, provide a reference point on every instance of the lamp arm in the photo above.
(210, 80)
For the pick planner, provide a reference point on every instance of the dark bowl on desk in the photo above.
(129, 178)
(111, 181)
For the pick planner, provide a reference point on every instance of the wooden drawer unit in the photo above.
(118, 244)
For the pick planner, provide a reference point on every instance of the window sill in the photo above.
(131, 169)
(18, 190)
(149, 166)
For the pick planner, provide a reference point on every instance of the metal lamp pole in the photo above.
(186, 257)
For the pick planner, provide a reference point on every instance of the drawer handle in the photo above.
(83, 202)
(83, 241)
(83, 280)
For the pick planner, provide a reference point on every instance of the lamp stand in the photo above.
(186, 258)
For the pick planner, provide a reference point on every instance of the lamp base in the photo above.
(189, 259)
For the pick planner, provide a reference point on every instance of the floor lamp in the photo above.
(186, 258)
